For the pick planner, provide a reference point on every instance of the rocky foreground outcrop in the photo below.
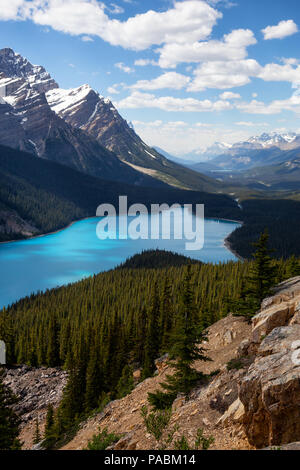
(270, 391)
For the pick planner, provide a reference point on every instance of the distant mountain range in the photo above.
(268, 161)
(266, 149)
(81, 129)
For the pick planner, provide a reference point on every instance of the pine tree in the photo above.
(185, 350)
(152, 345)
(126, 383)
(140, 333)
(53, 344)
(261, 278)
(49, 434)
(293, 267)
(72, 404)
(166, 314)
(7, 335)
(9, 421)
(37, 434)
(93, 380)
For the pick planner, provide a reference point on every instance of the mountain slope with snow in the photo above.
(81, 129)
(85, 109)
(27, 122)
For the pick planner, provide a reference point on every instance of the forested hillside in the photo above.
(116, 307)
(103, 327)
(280, 216)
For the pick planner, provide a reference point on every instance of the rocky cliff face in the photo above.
(12, 133)
(85, 109)
(14, 65)
(270, 392)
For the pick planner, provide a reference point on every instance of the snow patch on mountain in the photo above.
(60, 99)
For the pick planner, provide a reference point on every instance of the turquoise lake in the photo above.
(74, 253)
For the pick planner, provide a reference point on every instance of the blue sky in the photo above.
(186, 73)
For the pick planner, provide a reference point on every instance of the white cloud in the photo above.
(275, 107)
(232, 47)
(144, 62)
(280, 73)
(202, 124)
(222, 75)
(230, 74)
(228, 95)
(188, 137)
(290, 60)
(12, 9)
(171, 80)
(188, 21)
(112, 90)
(252, 124)
(115, 9)
(124, 68)
(87, 39)
(281, 30)
(169, 103)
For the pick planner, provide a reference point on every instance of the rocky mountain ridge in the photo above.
(28, 123)
(14, 65)
(81, 129)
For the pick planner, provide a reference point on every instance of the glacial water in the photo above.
(74, 253)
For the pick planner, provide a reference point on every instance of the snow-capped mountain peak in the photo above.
(217, 148)
(273, 139)
(14, 66)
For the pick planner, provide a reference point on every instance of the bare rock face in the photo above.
(235, 413)
(266, 321)
(12, 223)
(36, 389)
(12, 133)
(270, 391)
(14, 65)
(85, 109)
(277, 310)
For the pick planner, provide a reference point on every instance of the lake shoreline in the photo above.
(227, 244)
(48, 233)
